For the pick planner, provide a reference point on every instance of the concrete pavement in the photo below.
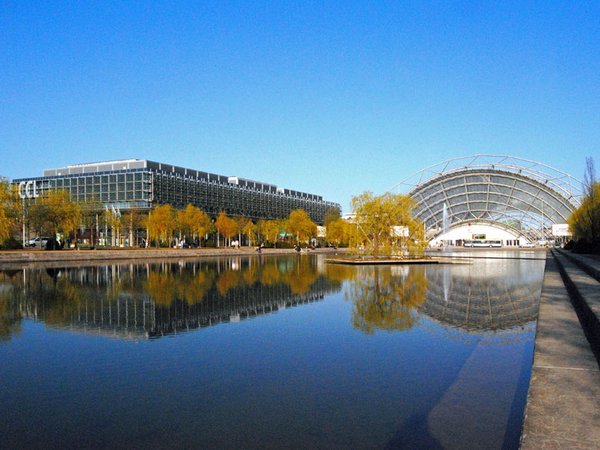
(563, 406)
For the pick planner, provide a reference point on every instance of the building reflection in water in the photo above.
(488, 296)
(156, 299)
(162, 298)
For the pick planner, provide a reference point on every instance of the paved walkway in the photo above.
(563, 406)
(11, 257)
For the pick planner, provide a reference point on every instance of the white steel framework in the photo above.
(518, 194)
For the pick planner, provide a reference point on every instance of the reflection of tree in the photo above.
(228, 280)
(48, 294)
(138, 298)
(270, 274)
(197, 286)
(10, 318)
(340, 272)
(301, 277)
(165, 286)
(250, 275)
(385, 300)
(161, 287)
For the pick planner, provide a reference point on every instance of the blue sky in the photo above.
(332, 98)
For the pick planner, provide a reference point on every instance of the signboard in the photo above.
(321, 231)
(28, 189)
(400, 231)
(561, 230)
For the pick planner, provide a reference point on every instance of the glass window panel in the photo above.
(456, 191)
(436, 198)
(498, 198)
(477, 188)
(459, 208)
(475, 179)
(428, 192)
(479, 196)
(478, 206)
(501, 189)
(525, 186)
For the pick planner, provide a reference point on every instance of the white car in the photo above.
(38, 242)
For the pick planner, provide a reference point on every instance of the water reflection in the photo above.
(490, 295)
(387, 298)
(486, 296)
(158, 298)
(154, 299)
(347, 370)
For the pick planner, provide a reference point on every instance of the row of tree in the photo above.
(165, 225)
(381, 224)
(55, 213)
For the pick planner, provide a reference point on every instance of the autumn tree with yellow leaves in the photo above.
(161, 224)
(339, 231)
(300, 225)
(10, 211)
(55, 212)
(226, 226)
(385, 225)
(192, 222)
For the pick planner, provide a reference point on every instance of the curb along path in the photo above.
(51, 256)
(563, 405)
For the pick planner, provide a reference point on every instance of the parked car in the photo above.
(38, 242)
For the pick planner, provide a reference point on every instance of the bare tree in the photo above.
(590, 181)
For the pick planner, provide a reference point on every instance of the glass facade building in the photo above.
(141, 184)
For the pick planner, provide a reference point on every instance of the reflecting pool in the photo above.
(266, 352)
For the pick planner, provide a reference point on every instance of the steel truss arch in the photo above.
(524, 196)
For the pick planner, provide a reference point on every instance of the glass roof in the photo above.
(523, 195)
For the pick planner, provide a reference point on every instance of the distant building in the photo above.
(142, 184)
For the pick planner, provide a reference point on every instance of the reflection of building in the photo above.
(137, 183)
(482, 303)
(118, 301)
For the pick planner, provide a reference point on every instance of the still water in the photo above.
(267, 352)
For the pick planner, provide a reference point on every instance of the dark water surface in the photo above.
(266, 352)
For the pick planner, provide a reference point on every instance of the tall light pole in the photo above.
(23, 222)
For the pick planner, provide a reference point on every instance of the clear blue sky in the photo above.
(332, 98)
